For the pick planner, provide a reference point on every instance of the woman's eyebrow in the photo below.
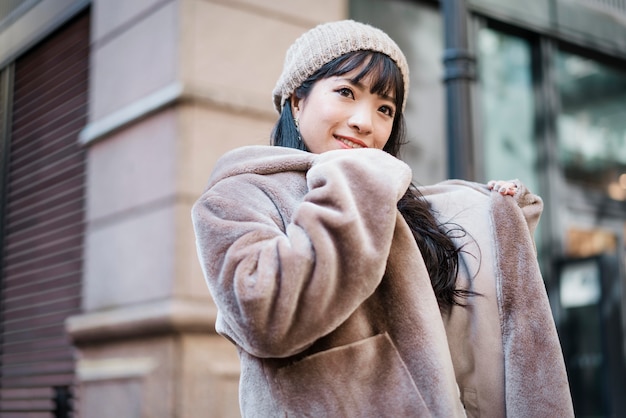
(355, 83)
(387, 97)
(362, 87)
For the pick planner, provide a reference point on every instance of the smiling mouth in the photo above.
(349, 143)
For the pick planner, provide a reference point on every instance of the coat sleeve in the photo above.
(535, 377)
(279, 286)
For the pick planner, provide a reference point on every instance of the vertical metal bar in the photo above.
(6, 78)
(6, 102)
(476, 25)
(547, 110)
(459, 74)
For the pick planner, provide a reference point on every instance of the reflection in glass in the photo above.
(592, 124)
(505, 74)
(580, 286)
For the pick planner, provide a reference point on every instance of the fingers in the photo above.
(505, 188)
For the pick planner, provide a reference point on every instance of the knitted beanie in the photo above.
(326, 42)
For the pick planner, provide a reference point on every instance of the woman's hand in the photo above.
(503, 187)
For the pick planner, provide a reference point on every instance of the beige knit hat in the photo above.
(326, 42)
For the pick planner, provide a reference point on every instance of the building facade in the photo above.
(114, 112)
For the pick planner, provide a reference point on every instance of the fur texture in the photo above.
(513, 366)
(320, 285)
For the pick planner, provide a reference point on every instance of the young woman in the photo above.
(347, 291)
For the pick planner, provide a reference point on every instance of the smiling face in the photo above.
(340, 112)
(351, 102)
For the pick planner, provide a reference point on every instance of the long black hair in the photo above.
(433, 238)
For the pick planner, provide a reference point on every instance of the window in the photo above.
(592, 124)
(508, 137)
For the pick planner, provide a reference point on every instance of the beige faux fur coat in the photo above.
(320, 285)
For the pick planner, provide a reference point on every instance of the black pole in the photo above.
(459, 73)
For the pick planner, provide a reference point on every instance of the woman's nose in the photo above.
(361, 120)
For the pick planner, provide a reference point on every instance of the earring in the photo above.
(296, 121)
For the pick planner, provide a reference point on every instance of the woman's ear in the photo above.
(295, 106)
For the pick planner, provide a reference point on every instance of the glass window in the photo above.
(417, 28)
(506, 87)
(592, 124)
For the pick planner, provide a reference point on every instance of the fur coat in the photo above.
(319, 283)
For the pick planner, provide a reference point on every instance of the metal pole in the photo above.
(459, 73)
(6, 106)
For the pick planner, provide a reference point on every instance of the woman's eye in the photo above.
(346, 92)
(387, 110)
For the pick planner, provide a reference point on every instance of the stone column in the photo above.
(173, 85)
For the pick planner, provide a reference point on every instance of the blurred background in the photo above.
(113, 113)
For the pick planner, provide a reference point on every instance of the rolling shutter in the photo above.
(43, 223)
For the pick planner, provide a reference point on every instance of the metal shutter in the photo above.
(43, 222)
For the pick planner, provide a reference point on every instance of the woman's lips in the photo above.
(350, 142)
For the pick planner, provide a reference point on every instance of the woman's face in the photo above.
(341, 114)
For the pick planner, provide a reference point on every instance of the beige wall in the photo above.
(173, 85)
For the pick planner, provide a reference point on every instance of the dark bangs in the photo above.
(386, 77)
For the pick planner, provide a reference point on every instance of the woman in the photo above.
(337, 281)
